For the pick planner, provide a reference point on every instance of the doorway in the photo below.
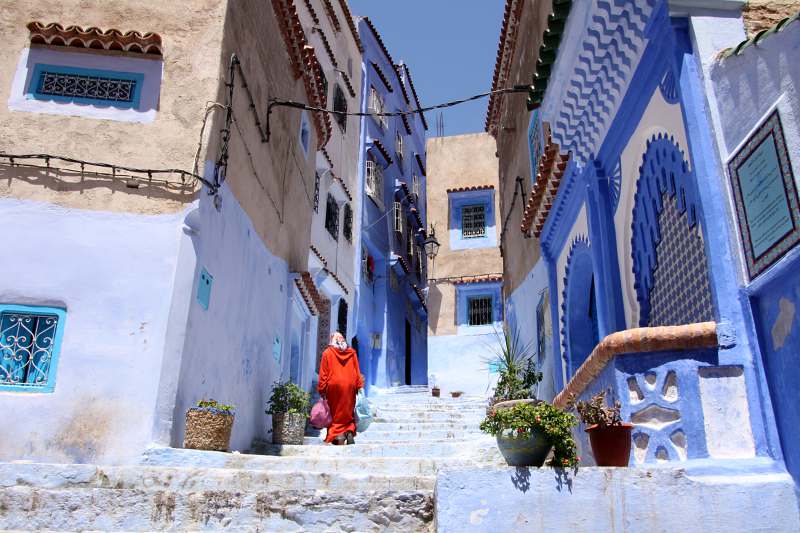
(408, 352)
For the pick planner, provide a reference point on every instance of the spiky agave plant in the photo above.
(517, 367)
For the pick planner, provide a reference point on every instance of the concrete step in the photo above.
(418, 436)
(417, 416)
(421, 426)
(323, 459)
(398, 449)
(133, 510)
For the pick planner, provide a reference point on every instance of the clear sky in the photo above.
(450, 47)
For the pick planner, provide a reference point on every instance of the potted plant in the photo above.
(456, 393)
(435, 390)
(526, 428)
(609, 436)
(526, 432)
(208, 426)
(289, 406)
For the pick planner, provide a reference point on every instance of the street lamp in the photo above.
(431, 244)
(431, 248)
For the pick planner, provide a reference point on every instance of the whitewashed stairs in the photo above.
(383, 483)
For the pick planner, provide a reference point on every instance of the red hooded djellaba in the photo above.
(339, 381)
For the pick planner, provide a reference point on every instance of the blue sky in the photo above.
(450, 47)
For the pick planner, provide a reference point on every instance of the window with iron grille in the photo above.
(376, 107)
(316, 192)
(398, 218)
(71, 84)
(415, 187)
(332, 217)
(347, 223)
(541, 310)
(420, 264)
(410, 248)
(29, 343)
(473, 221)
(398, 144)
(340, 104)
(375, 181)
(367, 265)
(479, 310)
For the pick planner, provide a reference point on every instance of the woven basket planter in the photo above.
(208, 429)
(288, 428)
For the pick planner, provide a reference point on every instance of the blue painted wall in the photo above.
(382, 309)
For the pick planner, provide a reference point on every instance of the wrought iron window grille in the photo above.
(398, 145)
(340, 105)
(398, 218)
(473, 221)
(85, 87)
(479, 311)
(347, 223)
(316, 192)
(332, 217)
(27, 341)
(375, 181)
(415, 187)
(377, 108)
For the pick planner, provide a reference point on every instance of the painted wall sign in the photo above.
(765, 195)
(204, 288)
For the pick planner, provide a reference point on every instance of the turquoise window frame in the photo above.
(52, 370)
(534, 128)
(132, 76)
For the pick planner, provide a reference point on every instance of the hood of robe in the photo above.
(342, 355)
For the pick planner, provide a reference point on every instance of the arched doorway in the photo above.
(581, 330)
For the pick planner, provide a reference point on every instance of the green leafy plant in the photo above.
(515, 360)
(595, 411)
(288, 398)
(214, 405)
(522, 419)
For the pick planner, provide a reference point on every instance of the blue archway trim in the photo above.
(663, 169)
(575, 330)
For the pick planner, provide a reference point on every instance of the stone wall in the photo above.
(761, 14)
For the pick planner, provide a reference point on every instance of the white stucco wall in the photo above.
(114, 275)
(228, 353)
(659, 117)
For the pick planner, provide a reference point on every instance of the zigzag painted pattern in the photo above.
(608, 57)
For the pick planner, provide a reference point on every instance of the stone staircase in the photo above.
(383, 483)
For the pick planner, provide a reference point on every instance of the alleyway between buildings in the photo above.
(383, 483)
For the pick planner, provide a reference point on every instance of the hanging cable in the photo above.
(299, 105)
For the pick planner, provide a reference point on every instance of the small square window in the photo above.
(479, 311)
(30, 339)
(473, 221)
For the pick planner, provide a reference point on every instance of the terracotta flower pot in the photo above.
(436, 392)
(611, 445)
(456, 393)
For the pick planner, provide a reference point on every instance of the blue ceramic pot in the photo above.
(524, 451)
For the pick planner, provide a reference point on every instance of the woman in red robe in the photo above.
(339, 381)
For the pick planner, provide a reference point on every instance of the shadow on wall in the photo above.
(62, 180)
(434, 306)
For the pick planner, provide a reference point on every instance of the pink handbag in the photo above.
(321, 414)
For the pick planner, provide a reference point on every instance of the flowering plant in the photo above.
(523, 419)
(215, 406)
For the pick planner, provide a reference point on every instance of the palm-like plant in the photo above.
(516, 364)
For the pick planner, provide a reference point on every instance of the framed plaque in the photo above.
(765, 195)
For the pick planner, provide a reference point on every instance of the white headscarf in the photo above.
(338, 341)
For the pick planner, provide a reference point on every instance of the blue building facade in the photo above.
(669, 283)
(392, 313)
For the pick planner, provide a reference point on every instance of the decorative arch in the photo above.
(579, 321)
(669, 263)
